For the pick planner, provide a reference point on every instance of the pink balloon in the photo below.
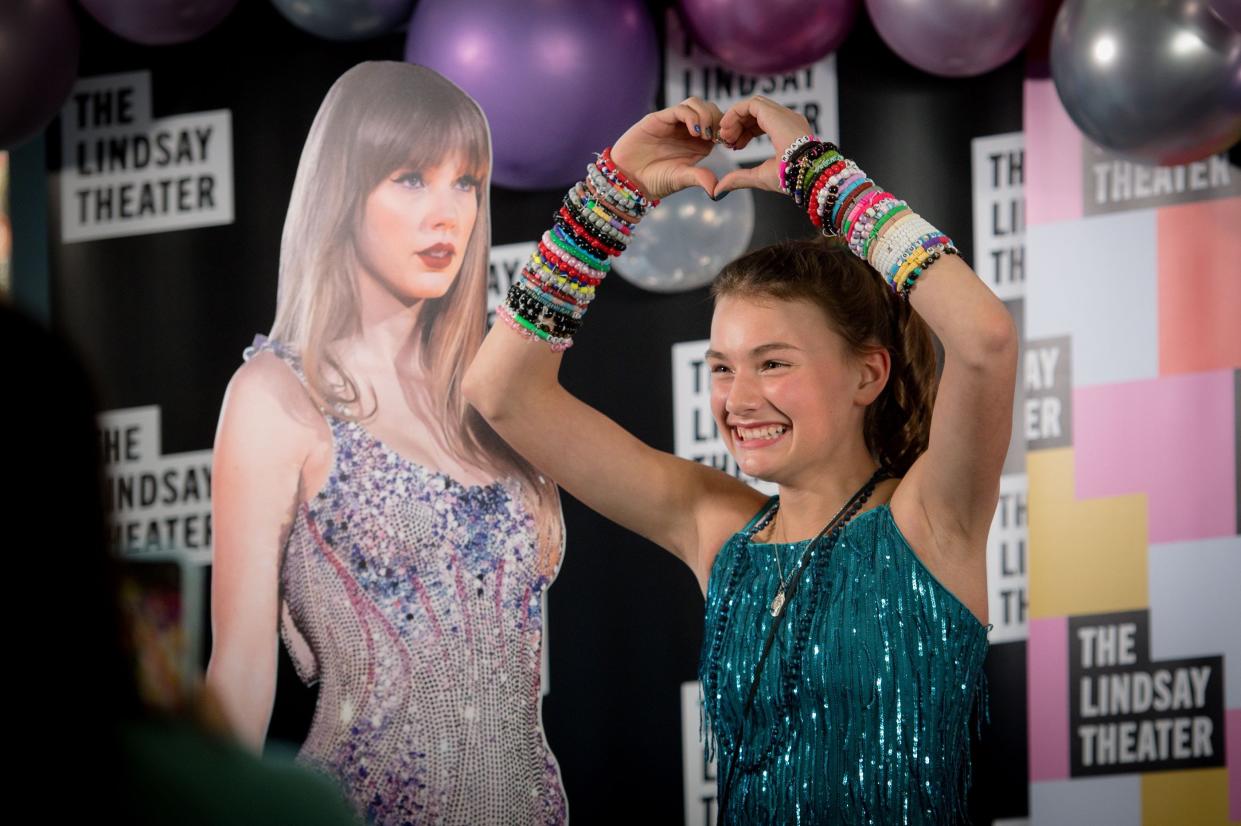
(38, 62)
(956, 38)
(768, 36)
(159, 22)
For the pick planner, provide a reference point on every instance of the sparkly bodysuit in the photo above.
(415, 602)
(863, 707)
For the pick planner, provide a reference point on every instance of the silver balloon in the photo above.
(346, 19)
(688, 238)
(1156, 82)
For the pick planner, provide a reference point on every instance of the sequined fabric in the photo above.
(863, 710)
(419, 600)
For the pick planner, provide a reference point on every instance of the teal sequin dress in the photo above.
(863, 709)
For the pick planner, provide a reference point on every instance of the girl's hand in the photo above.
(749, 119)
(660, 152)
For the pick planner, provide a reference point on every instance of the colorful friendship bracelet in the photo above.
(594, 223)
(841, 200)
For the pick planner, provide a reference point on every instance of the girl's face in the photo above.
(786, 391)
(415, 227)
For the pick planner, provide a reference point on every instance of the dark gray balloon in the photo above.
(346, 19)
(1157, 82)
(159, 22)
(38, 64)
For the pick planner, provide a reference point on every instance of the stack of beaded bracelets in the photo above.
(842, 201)
(594, 223)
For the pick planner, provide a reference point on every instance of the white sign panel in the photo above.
(1007, 562)
(698, 771)
(692, 72)
(158, 505)
(126, 173)
(1000, 213)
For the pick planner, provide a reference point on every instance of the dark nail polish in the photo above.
(721, 196)
(708, 131)
(697, 130)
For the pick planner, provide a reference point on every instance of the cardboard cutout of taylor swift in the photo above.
(363, 512)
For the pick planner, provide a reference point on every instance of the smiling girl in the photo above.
(845, 618)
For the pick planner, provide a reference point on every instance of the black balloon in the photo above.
(39, 42)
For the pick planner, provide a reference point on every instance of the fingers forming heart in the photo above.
(695, 175)
(744, 120)
(748, 119)
(755, 177)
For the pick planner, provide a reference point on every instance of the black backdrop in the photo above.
(162, 319)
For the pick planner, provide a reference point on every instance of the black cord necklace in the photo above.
(784, 594)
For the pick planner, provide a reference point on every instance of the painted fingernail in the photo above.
(697, 129)
(721, 196)
(708, 131)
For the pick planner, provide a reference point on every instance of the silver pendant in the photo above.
(777, 604)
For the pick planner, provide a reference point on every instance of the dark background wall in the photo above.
(162, 319)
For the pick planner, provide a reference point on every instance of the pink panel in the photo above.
(1171, 438)
(1047, 658)
(1053, 180)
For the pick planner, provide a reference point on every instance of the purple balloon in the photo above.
(771, 36)
(38, 61)
(1229, 11)
(956, 38)
(558, 80)
(159, 22)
